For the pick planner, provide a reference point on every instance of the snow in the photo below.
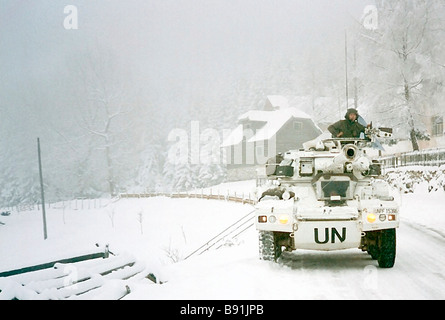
(425, 210)
(273, 121)
(235, 137)
(167, 225)
(170, 229)
(236, 273)
(416, 178)
(236, 188)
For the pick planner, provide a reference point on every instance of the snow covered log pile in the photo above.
(99, 278)
(410, 179)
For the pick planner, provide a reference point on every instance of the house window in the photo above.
(298, 126)
(437, 126)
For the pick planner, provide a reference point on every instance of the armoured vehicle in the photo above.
(328, 196)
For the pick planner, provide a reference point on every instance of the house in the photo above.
(436, 131)
(262, 134)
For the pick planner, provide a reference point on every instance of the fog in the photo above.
(165, 46)
(104, 96)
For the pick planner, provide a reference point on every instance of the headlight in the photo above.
(272, 219)
(284, 219)
(371, 217)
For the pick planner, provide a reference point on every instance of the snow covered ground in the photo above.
(162, 231)
(168, 231)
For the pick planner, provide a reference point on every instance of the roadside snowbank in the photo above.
(417, 178)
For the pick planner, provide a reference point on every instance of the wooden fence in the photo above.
(239, 198)
(75, 204)
(88, 204)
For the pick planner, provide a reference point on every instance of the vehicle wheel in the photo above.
(374, 252)
(387, 246)
(268, 245)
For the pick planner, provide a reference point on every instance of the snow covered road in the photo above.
(236, 273)
(420, 265)
(418, 273)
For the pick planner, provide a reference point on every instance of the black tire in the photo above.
(387, 248)
(269, 250)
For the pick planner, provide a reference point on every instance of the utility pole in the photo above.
(45, 233)
(355, 78)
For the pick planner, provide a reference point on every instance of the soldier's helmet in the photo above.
(351, 111)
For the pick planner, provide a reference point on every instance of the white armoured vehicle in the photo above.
(329, 196)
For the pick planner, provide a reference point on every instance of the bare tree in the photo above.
(104, 112)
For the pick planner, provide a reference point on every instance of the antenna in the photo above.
(346, 69)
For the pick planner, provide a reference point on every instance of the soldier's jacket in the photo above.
(350, 129)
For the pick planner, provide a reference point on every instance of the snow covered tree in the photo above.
(212, 170)
(104, 114)
(399, 72)
(150, 167)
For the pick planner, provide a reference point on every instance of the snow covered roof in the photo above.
(321, 109)
(276, 120)
(277, 115)
(272, 122)
(235, 137)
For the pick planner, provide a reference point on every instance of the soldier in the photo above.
(348, 128)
